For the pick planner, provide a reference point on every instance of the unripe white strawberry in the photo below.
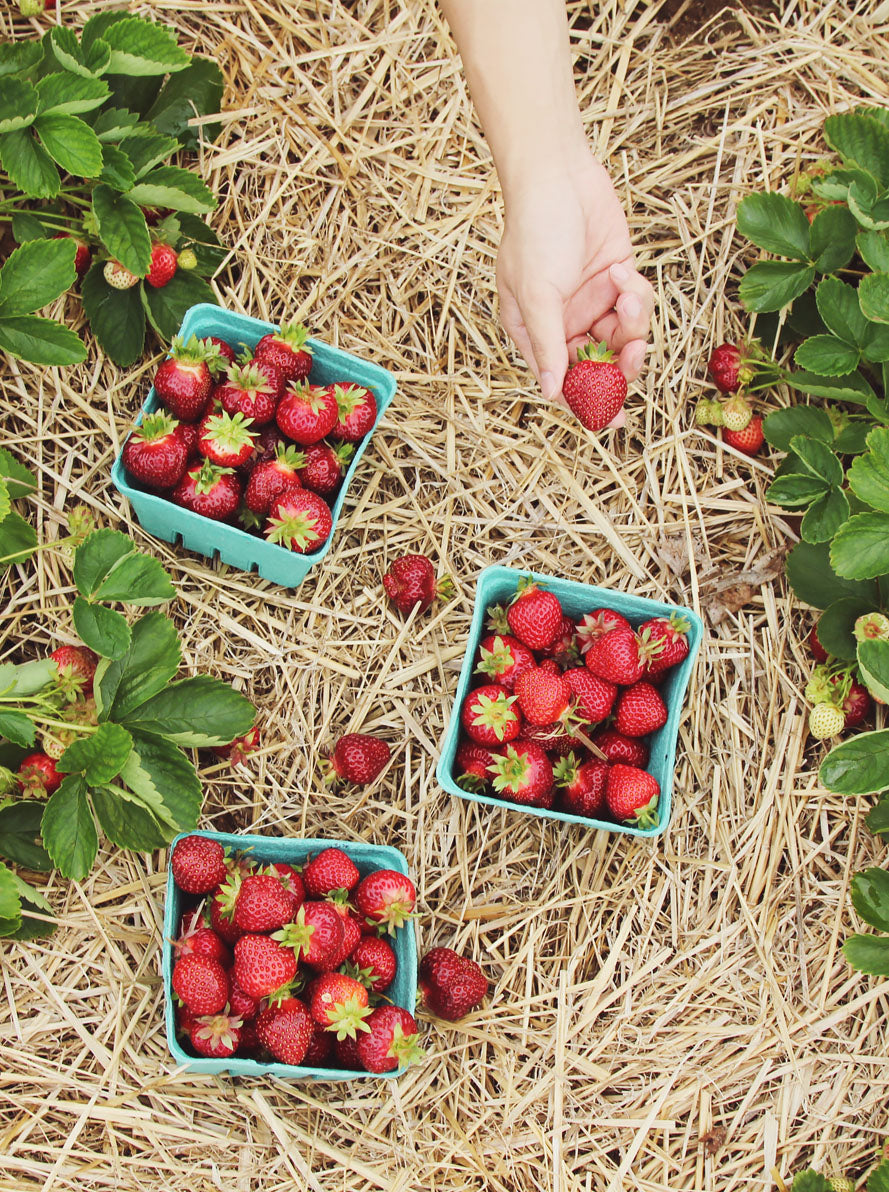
(187, 259)
(118, 277)
(841, 1183)
(826, 720)
(704, 412)
(736, 413)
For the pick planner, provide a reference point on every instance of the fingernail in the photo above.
(548, 385)
(638, 358)
(620, 273)
(631, 307)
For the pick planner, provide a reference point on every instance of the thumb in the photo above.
(545, 325)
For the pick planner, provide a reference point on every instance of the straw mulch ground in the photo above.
(668, 1015)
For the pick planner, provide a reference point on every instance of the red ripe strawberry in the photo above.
(272, 478)
(263, 965)
(452, 985)
(198, 864)
(271, 373)
(156, 454)
(315, 935)
(373, 962)
(358, 758)
(523, 773)
(286, 1030)
(346, 1053)
(217, 1036)
(729, 369)
(618, 748)
(288, 350)
(582, 785)
(352, 934)
(639, 711)
(632, 795)
(76, 666)
(338, 1003)
(247, 390)
(673, 632)
(747, 441)
(299, 520)
(330, 870)
(472, 764)
(240, 1002)
(225, 351)
(236, 752)
(306, 413)
(183, 381)
(356, 411)
(502, 658)
(164, 263)
(387, 897)
(616, 657)
(197, 939)
(596, 624)
(292, 881)
(391, 1040)
(82, 253)
(222, 907)
(563, 646)
(226, 439)
(320, 1050)
(488, 715)
(594, 387)
(188, 433)
(549, 665)
(556, 739)
(816, 649)
(38, 775)
(595, 697)
(185, 1020)
(856, 705)
(263, 904)
(543, 697)
(208, 490)
(410, 583)
(201, 983)
(535, 616)
(325, 467)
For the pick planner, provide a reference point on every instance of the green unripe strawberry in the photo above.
(187, 259)
(704, 412)
(841, 1183)
(871, 626)
(826, 720)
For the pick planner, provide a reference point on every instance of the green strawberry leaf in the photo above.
(35, 274)
(32, 900)
(858, 766)
(18, 541)
(16, 727)
(868, 954)
(20, 835)
(817, 459)
(873, 248)
(775, 223)
(102, 629)
(835, 626)
(195, 712)
(827, 356)
(825, 516)
(780, 426)
(860, 549)
(816, 583)
(164, 780)
(117, 169)
(26, 226)
(10, 906)
(868, 475)
(100, 757)
(18, 57)
(69, 94)
(17, 479)
(113, 123)
(197, 90)
(853, 388)
(873, 296)
(171, 186)
(62, 44)
(149, 664)
(127, 822)
(772, 285)
(878, 1180)
(68, 829)
(860, 141)
(795, 489)
(167, 305)
(873, 665)
(137, 579)
(97, 557)
(870, 897)
(832, 239)
(116, 316)
(147, 150)
(810, 1181)
(19, 102)
(838, 306)
(28, 164)
(139, 48)
(122, 228)
(42, 341)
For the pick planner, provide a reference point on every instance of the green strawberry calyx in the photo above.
(493, 712)
(294, 335)
(296, 935)
(599, 352)
(156, 426)
(511, 772)
(348, 400)
(229, 432)
(405, 1048)
(296, 529)
(208, 476)
(497, 622)
(290, 456)
(312, 395)
(646, 816)
(495, 661)
(193, 350)
(565, 770)
(344, 453)
(347, 1018)
(248, 377)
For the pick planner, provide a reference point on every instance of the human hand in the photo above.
(565, 272)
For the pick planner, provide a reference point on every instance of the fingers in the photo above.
(537, 327)
(633, 307)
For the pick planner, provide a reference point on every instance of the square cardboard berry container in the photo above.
(233, 545)
(368, 858)
(497, 585)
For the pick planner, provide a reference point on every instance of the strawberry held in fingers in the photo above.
(386, 897)
(225, 439)
(306, 413)
(183, 381)
(503, 658)
(391, 1040)
(594, 387)
(155, 454)
(410, 583)
(325, 467)
(535, 615)
(632, 795)
(523, 773)
(452, 985)
(210, 491)
(164, 263)
(488, 715)
(288, 349)
(299, 520)
(356, 411)
(246, 389)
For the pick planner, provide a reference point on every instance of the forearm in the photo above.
(516, 56)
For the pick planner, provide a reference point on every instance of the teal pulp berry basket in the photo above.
(497, 585)
(368, 858)
(231, 544)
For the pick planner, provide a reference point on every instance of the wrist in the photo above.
(561, 170)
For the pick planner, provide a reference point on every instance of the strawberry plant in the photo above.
(831, 286)
(91, 129)
(812, 1181)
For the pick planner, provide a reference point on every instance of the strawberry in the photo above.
(729, 369)
(263, 904)
(38, 775)
(247, 389)
(315, 935)
(826, 720)
(618, 748)
(472, 766)
(632, 795)
(236, 752)
(225, 439)
(338, 1003)
(198, 864)
(118, 277)
(639, 710)
(263, 965)
(535, 615)
(292, 881)
(555, 738)
(356, 411)
(452, 985)
(582, 785)
(595, 697)
(82, 253)
(164, 263)
(199, 940)
(156, 454)
(563, 648)
(286, 1030)
(272, 374)
(736, 413)
(816, 649)
(288, 349)
(549, 665)
(223, 350)
(543, 697)
(272, 478)
(373, 963)
(673, 632)
(330, 870)
(391, 1040)
(488, 715)
(523, 773)
(617, 657)
(857, 705)
(746, 441)
(410, 583)
(217, 1036)
(306, 413)
(76, 666)
(596, 624)
(325, 467)
(594, 387)
(346, 1052)
(188, 433)
(870, 627)
(201, 983)
(352, 934)
(183, 381)
(358, 758)
(320, 1050)
(299, 520)
(387, 897)
(502, 658)
(222, 907)
(208, 490)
